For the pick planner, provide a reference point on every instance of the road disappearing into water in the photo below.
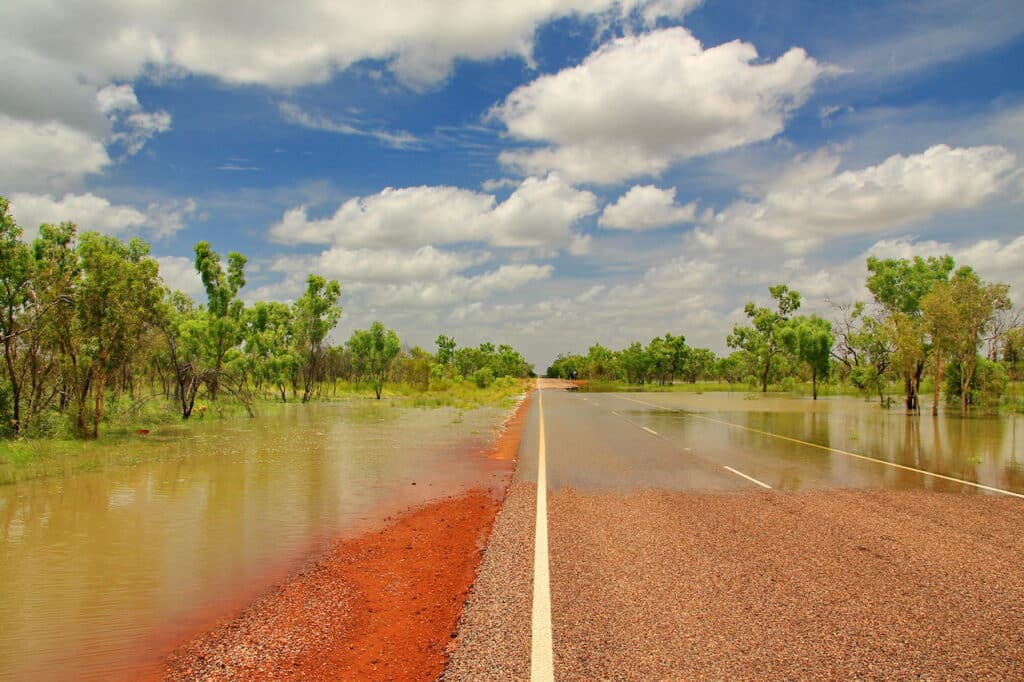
(688, 538)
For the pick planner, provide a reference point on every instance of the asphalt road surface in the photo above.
(668, 544)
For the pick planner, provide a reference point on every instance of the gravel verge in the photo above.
(494, 633)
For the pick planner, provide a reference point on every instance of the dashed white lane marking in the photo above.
(616, 413)
(542, 667)
(749, 478)
(828, 449)
(650, 431)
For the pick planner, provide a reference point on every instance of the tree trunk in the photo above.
(764, 375)
(814, 383)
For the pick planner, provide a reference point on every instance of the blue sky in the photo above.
(547, 172)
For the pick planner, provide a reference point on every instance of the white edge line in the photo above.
(542, 667)
(749, 478)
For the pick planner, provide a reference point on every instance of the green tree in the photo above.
(635, 362)
(956, 314)
(18, 310)
(117, 297)
(898, 285)
(862, 347)
(445, 350)
(270, 345)
(810, 340)
(699, 362)
(224, 324)
(316, 313)
(762, 339)
(373, 350)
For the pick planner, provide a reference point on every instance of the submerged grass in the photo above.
(54, 452)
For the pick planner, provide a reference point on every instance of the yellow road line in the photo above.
(825, 447)
(542, 667)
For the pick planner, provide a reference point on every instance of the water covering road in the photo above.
(683, 441)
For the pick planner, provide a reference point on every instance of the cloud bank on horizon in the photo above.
(548, 173)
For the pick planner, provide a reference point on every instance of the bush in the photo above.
(483, 377)
(990, 383)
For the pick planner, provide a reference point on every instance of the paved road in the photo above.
(681, 547)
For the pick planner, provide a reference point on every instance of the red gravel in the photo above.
(382, 606)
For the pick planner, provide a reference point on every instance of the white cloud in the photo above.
(382, 265)
(458, 289)
(116, 98)
(132, 126)
(646, 207)
(38, 156)
(91, 212)
(540, 212)
(899, 191)
(179, 272)
(315, 121)
(290, 44)
(640, 103)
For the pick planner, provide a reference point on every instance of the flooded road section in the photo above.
(986, 451)
(103, 573)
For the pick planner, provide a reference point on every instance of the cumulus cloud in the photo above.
(132, 126)
(646, 207)
(458, 289)
(383, 265)
(179, 272)
(91, 212)
(899, 191)
(295, 43)
(639, 103)
(540, 212)
(42, 155)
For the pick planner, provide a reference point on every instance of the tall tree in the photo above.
(898, 285)
(810, 340)
(762, 339)
(316, 313)
(17, 300)
(373, 350)
(117, 299)
(224, 328)
(956, 314)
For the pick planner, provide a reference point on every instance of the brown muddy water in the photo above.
(984, 450)
(103, 573)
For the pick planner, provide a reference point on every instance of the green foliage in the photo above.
(373, 350)
(762, 339)
(810, 340)
(316, 313)
(483, 377)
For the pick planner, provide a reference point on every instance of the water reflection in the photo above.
(92, 567)
(980, 450)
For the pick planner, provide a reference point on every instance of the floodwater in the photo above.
(104, 572)
(984, 450)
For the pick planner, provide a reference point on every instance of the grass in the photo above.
(52, 451)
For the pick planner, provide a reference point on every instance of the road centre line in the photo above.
(829, 449)
(542, 667)
(650, 431)
(749, 478)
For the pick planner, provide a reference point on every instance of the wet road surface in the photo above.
(706, 543)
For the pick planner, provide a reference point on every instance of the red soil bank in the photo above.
(382, 606)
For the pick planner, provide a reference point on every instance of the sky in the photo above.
(545, 173)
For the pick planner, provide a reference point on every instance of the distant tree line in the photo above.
(85, 320)
(928, 319)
